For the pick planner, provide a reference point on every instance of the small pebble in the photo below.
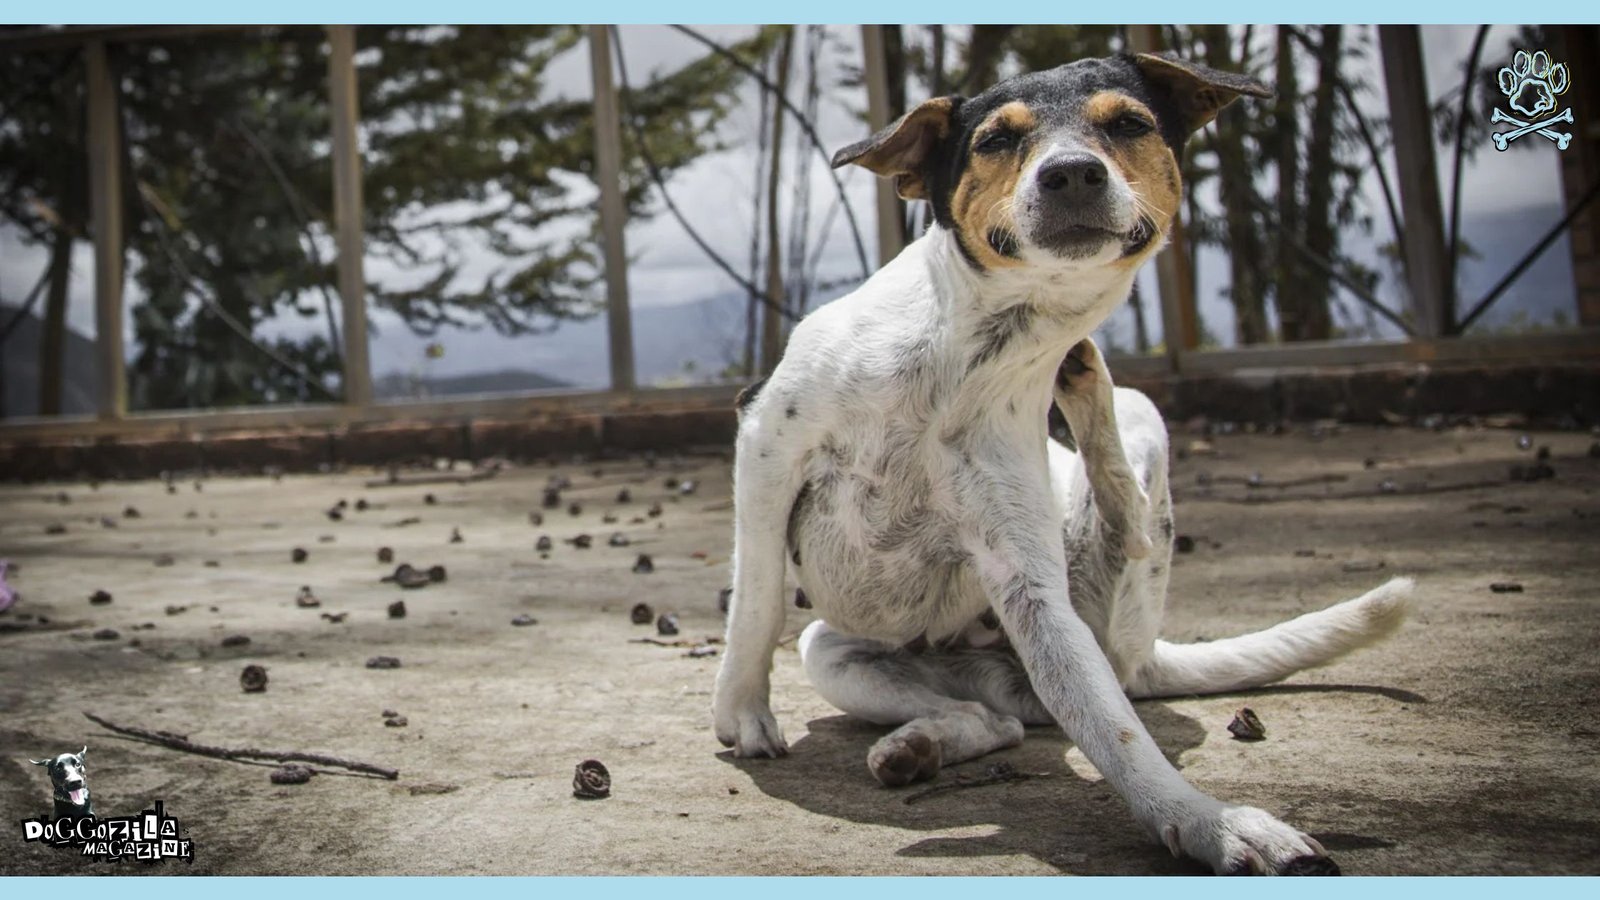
(552, 498)
(429, 499)
(1506, 587)
(688, 487)
(1246, 726)
(1543, 455)
(100, 598)
(642, 614)
(624, 496)
(236, 640)
(397, 609)
(591, 781)
(667, 625)
(253, 679)
(107, 522)
(395, 722)
(644, 565)
(575, 509)
(383, 662)
(1387, 486)
(291, 774)
(1183, 543)
(1363, 565)
(654, 510)
(582, 541)
(165, 560)
(619, 540)
(436, 574)
(361, 504)
(386, 554)
(523, 620)
(536, 518)
(335, 618)
(389, 713)
(455, 536)
(670, 484)
(175, 609)
(335, 514)
(56, 528)
(305, 599)
(131, 512)
(1524, 442)
(106, 634)
(544, 543)
(1305, 553)
(298, 554)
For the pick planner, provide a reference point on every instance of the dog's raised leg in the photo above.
(1021, 563)
(888, 686)
(1083, 391)
(766, 480)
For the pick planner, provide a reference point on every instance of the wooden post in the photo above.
(1180, 322)
(348, 213)
(1578, 46)
(891, 216)
(613, 216)
(105, 203)
(1427, 263)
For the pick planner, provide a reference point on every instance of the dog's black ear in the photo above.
(903, 150)
(1198, 92)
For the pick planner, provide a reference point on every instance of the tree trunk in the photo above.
(936, 61)
(985, 48)
(53, 346)
(1287, 287)
(771, 318)
(1236, 190)
(1316, 293)
(752, 309)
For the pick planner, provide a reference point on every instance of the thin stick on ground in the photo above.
(176, 742)
(999, 773)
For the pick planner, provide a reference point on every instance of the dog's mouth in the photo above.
(1079, 239)
(78, 795)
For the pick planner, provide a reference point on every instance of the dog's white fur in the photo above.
(919, 490)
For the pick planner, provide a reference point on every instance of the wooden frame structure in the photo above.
(1402, 58)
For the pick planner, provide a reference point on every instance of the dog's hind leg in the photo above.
(1085, 395)
(939, 724)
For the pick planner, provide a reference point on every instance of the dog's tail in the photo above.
(1252, 660)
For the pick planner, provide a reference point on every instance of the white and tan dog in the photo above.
(970, 574)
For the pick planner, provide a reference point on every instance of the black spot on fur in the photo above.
(1166, 527)
(998, 330)
(791, 411)
(748, 395)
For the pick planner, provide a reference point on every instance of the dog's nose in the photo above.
(1073, 173)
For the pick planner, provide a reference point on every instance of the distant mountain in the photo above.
(400, 386)
(19, 368)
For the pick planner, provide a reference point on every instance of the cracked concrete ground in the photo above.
(1466, 744)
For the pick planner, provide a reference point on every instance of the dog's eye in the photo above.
(997, 142)
(1130, 125)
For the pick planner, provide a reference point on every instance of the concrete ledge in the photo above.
(1565, 393)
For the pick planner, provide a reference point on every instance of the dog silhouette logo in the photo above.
(69, 783)
(1532, 84)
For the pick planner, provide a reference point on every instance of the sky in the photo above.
(1508, 198)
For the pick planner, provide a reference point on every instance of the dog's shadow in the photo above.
(1063, 820)
(1069, 823)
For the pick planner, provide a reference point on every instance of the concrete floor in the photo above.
(1466, 744)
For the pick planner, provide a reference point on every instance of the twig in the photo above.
(999, 773)
(1419, 490)
(174, 742)
(677, 643)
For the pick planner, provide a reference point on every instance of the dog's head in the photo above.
(68, 778)
(1071, 168)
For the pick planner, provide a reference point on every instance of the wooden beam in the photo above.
(348, 213)
(1427, 262)
(891, 215)
(613, 215)
(1180, 321)
(105, 205)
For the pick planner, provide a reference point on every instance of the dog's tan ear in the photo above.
(902, 150)
(1199, 92)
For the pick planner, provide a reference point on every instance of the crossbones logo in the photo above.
(1531, 84)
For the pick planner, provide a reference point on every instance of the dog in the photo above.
(69, 782)
(970, 575)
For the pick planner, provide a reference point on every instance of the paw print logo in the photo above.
(1532, 82)
(1531, 85)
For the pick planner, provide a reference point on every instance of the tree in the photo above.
(467, 156)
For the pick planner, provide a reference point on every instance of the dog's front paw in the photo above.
(1243, 840)
(1083, 373)
(750, 730)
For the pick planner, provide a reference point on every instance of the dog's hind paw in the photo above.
(903, 758)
